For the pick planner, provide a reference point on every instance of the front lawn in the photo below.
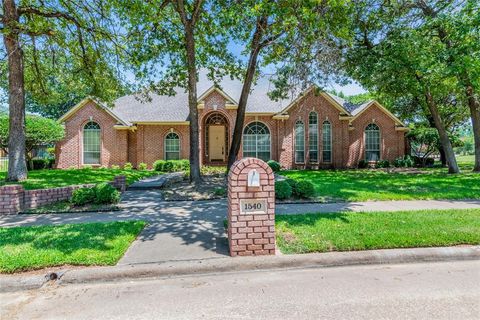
(42, 179)
(364, 185)
(347, 231)
(27, 248)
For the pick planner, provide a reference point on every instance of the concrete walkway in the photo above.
(186, 230)
(156, 182)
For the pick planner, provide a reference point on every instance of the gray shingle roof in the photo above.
(138, 108)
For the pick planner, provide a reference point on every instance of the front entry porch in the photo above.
(215, 139)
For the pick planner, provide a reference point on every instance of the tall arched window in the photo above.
(313, 137)
(299, 142)
(372, 142)
(91, 143)
(326, 141)
(256, 141)
(172, 146)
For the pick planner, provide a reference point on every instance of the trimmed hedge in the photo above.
(282, 190)
(83, 196)
(274, 165)
(304, 189)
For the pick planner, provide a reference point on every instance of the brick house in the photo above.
(311, 130)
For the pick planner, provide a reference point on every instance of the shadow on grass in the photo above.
(69, 238)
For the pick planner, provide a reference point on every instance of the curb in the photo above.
(239, 264)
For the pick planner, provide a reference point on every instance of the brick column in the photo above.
(251, 209)
(11, 199)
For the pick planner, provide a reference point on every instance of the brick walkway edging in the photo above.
(15, 199)
(251, 234)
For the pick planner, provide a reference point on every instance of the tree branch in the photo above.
(197, 9)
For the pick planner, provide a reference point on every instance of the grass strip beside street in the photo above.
(346, 231)
(28, 248)
(378, 185)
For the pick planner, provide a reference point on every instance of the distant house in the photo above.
(312, 130)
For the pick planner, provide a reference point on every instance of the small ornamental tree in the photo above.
(39, 132)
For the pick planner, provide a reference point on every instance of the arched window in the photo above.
(327, 142)
(372, 142)
(172, 146)
(313, 137)
(256, 141)
(299, 142)
(91, 143)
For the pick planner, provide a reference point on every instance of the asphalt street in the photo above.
(442, 290)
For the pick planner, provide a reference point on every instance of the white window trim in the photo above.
(379, 142)
(295, 142)
(256, 147)
(165, 145)
(82, 143)
(318, 140)
(331, 142)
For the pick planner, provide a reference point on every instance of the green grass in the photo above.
(376, 230)
(466, 162)
(27, 248)
(41, 179)
(364, 185)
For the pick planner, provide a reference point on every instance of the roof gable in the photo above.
(362, 108)
(229, 100)
(333, 100)
(84, 102)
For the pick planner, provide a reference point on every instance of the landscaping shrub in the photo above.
(83, 196)
(274, 165)
(383, 164)
(39, 164)
(142, 166)
(362, 164)
(180, 165)
(115, 167)
(171, 165)
(305, 189)
(105, 193)
(282, 190)
(128, 166)
(418, 161)
(403, 162)
(159, 165)
(293, 185)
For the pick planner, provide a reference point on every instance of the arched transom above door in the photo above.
(216, 137)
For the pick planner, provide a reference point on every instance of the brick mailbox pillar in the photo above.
(251, 208)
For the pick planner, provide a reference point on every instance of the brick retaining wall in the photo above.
(14, 198)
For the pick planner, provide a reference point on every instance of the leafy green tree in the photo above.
(39, 132)
(170, 41)
(398, 61)
(457, 26)
(296, 36)
(49, 45)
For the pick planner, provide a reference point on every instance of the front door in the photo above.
(216, 143)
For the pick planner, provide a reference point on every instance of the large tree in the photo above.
(457, 26)
(51, 43)
(398, 60)
(287, 35)
(171, 40)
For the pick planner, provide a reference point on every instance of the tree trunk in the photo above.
(17, 168)
(247, 85)
(474, 106)
(442, 132)
(443, 157)
(195, 176)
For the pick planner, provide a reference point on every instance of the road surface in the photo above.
(448, 290)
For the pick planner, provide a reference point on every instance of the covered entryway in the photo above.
(216, 138)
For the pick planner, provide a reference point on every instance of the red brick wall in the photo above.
(14, 199)
(150, 142)
(146, 144)
(114, 143)
(325, 111)
(392, 142)
(251, 234)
